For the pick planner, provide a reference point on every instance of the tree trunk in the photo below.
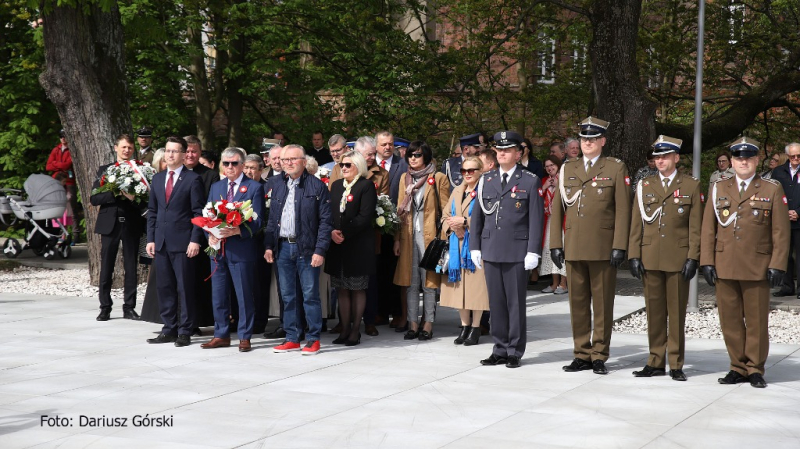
(619, 96)
(85, 79)
(202, 95)
(233, 89)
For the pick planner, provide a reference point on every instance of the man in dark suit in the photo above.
(176, 196)
(390, 302)
(787, 175)
(191, 160)
(235, 265)
(119, 219)
(508, 245)
(318, 150)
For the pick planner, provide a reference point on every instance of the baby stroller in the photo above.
(5, 205)
(45, 234)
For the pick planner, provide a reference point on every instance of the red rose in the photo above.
(103, 180)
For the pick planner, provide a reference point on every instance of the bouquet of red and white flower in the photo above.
(223, 214)
(131, 177)
(323, 174)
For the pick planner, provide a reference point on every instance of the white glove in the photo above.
(531, 261)
(475, 255)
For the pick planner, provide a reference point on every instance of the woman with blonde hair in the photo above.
(463, 286)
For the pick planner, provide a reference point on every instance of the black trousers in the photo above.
(792, 268)
(129, 235)
(176, 291)
(389, 300)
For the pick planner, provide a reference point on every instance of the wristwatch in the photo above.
(465, 222)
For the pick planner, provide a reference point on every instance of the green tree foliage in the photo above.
(28, 121)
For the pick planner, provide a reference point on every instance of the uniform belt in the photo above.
(121, 219)
(288, 239)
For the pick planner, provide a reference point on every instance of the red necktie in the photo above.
(169, 185)
(383, 164)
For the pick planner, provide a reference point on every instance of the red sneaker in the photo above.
(286, 347)
(312, 348)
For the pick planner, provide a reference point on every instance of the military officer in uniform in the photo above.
(470, 146)
(743, 251)
(664, 248)
(594, 192)
(507, 229)
(144, 136)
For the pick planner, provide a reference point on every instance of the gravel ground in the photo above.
(784, 327)
(41, 281)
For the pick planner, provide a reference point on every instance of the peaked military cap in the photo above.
(507, 139)
(744, 147)
(593, 127)
(400, 142)
(144, 132)
(268, 144)
(470, 140)
(665, 145)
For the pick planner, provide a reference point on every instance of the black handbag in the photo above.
(437, 249)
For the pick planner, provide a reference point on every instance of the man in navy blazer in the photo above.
(176, 196)
(236, 261)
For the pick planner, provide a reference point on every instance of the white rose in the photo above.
(379, 210)
(112, 178)
(381, 221)
(137, 178)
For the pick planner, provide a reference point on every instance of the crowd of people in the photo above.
(313, 251)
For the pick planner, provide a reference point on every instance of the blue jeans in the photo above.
(292, 266)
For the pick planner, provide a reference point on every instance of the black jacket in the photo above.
(354, 256)
(791, 188)
(114, 207)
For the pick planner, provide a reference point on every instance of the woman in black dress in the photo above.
(353, 202)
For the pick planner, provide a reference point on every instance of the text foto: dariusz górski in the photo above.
(106, 421)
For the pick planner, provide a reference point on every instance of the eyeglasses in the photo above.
(345, 165)
(468, 171)
(793, 156)
(230, 163)
(589, 139)
(292, 160)
(415, 155)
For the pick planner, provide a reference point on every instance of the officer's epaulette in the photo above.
(529, 173)
(619, 161)
(771, 181)
(720, 180)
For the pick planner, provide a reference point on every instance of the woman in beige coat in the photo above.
(419, 210)
(463, 285)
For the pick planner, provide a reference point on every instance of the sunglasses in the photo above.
(468, 171)
(416, 155)
(793, 156)
(230, 163)
(345, 164)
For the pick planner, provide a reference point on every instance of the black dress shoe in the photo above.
(757, 380)
(677, 374)
(162, 338)
(599, 367)
(462, 335)
(513, 362)
(782, 293)
(340, 341)
(105, 315)
(277, 333)
(131, 315)
(732, 378)
(494, 360)
(183, 340)
(425, 335)
(402, 328)
(473, 337)
(411, 335)
(197, 331)
(577, 365)
(371, 331)
(353, 342)
(649, 371)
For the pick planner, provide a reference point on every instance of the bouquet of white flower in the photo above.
(131, 177)
(387, 220)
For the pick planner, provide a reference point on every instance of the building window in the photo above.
(546, 60)
(735, 13)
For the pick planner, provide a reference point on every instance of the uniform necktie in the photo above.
(588, 166)
(383, 164)
(666, 184)
(504, 181)
(170, 185)
(230, 190)
(741, 190)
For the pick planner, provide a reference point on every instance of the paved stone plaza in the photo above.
(58, 361)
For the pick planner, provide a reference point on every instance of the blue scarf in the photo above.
(459, 259)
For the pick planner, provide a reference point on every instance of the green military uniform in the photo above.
(597, 207)
(665, 234)
(743, 236)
